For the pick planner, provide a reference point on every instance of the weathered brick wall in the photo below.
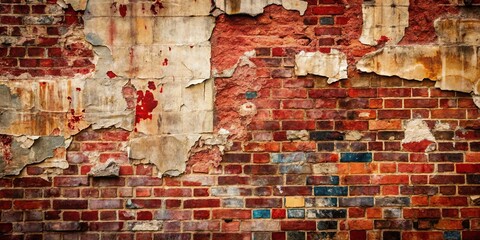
(309, 160)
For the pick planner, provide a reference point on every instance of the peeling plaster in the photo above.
(418, 136)
(384, 21)
(168, 153)
(15, 155)
(332, 65)
(108, 169)
(255, 7)
(454, 62)
(145, 226)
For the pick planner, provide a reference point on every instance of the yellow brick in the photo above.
(294, 202)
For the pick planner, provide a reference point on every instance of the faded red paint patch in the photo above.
(156, 7)
(151, 85)
(123, 10)
(73, 119)
(111, 74)
(165, 62)
(78, 89)
(382, 40)
(417, 146)
(145, 104)
(6, 147)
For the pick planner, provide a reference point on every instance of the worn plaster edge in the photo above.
(315, 58)
(243, 60)
(50, 156)
(295, 5)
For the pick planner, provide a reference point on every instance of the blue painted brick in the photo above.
(326, 21)
(296, 213)
(250, 94)
(330, 191)
(261, 213)
(288, 157)
(356, 157)
(324, 225)
(451, 235)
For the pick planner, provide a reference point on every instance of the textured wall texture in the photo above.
(238, 119)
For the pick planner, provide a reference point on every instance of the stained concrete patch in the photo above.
(332, 65)
(256, 7)
(384, 21)
(15, 155)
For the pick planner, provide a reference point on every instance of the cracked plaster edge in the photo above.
(293, 5)
(243, 60)
(342, 71)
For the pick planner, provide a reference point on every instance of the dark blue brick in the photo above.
(324, 225)
(296, 236)
(356, 202)
(451, 235)
(356, 157)
(250, 94)
(330, 191)
(326, 135)
(326, 213)
(261, 213)
(296, 213)
(392, 202)
(321, 202)
(326, 21)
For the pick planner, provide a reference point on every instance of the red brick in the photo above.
(448, 201)
(231, 214)
(279, 213)
(448, 113)
(31, 182)
(201, 203)
(328, 10)
(394, 114)
(70, 204)
(172, 192)
(468, 168)
(297, 225)
(263, 202)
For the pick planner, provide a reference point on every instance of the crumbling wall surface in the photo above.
(199, 119)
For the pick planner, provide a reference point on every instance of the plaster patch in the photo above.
(256, 7)
(298, 135)
(332, 65)
(14, 157)
(107, 169)
(418, 136)
(384, 21)
(145, 226)
(454, 62)
(167, 152)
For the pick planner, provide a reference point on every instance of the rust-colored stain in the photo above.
(165, 62)
(145, 104)
(111, 74)
(433, 66)
(123, 10)
(74, 119)
(157, 5)
(78, 89)
(6, 147)
(235, 5)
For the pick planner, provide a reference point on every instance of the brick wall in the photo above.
(347, 176)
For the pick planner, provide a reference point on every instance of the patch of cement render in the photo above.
(332, 65)
(168, 153)
(255, 7)
(302, 135)
(22, 152)
(77, 5)
(384, 20)
(417, 130)
(145, 226)
(108, 169)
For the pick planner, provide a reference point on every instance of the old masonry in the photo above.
(239, 119)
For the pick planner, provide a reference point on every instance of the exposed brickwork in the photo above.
(40, 39)
(329, 185)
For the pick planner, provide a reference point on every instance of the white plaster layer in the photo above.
(385, 19)
(255, 7)
(332, 65)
